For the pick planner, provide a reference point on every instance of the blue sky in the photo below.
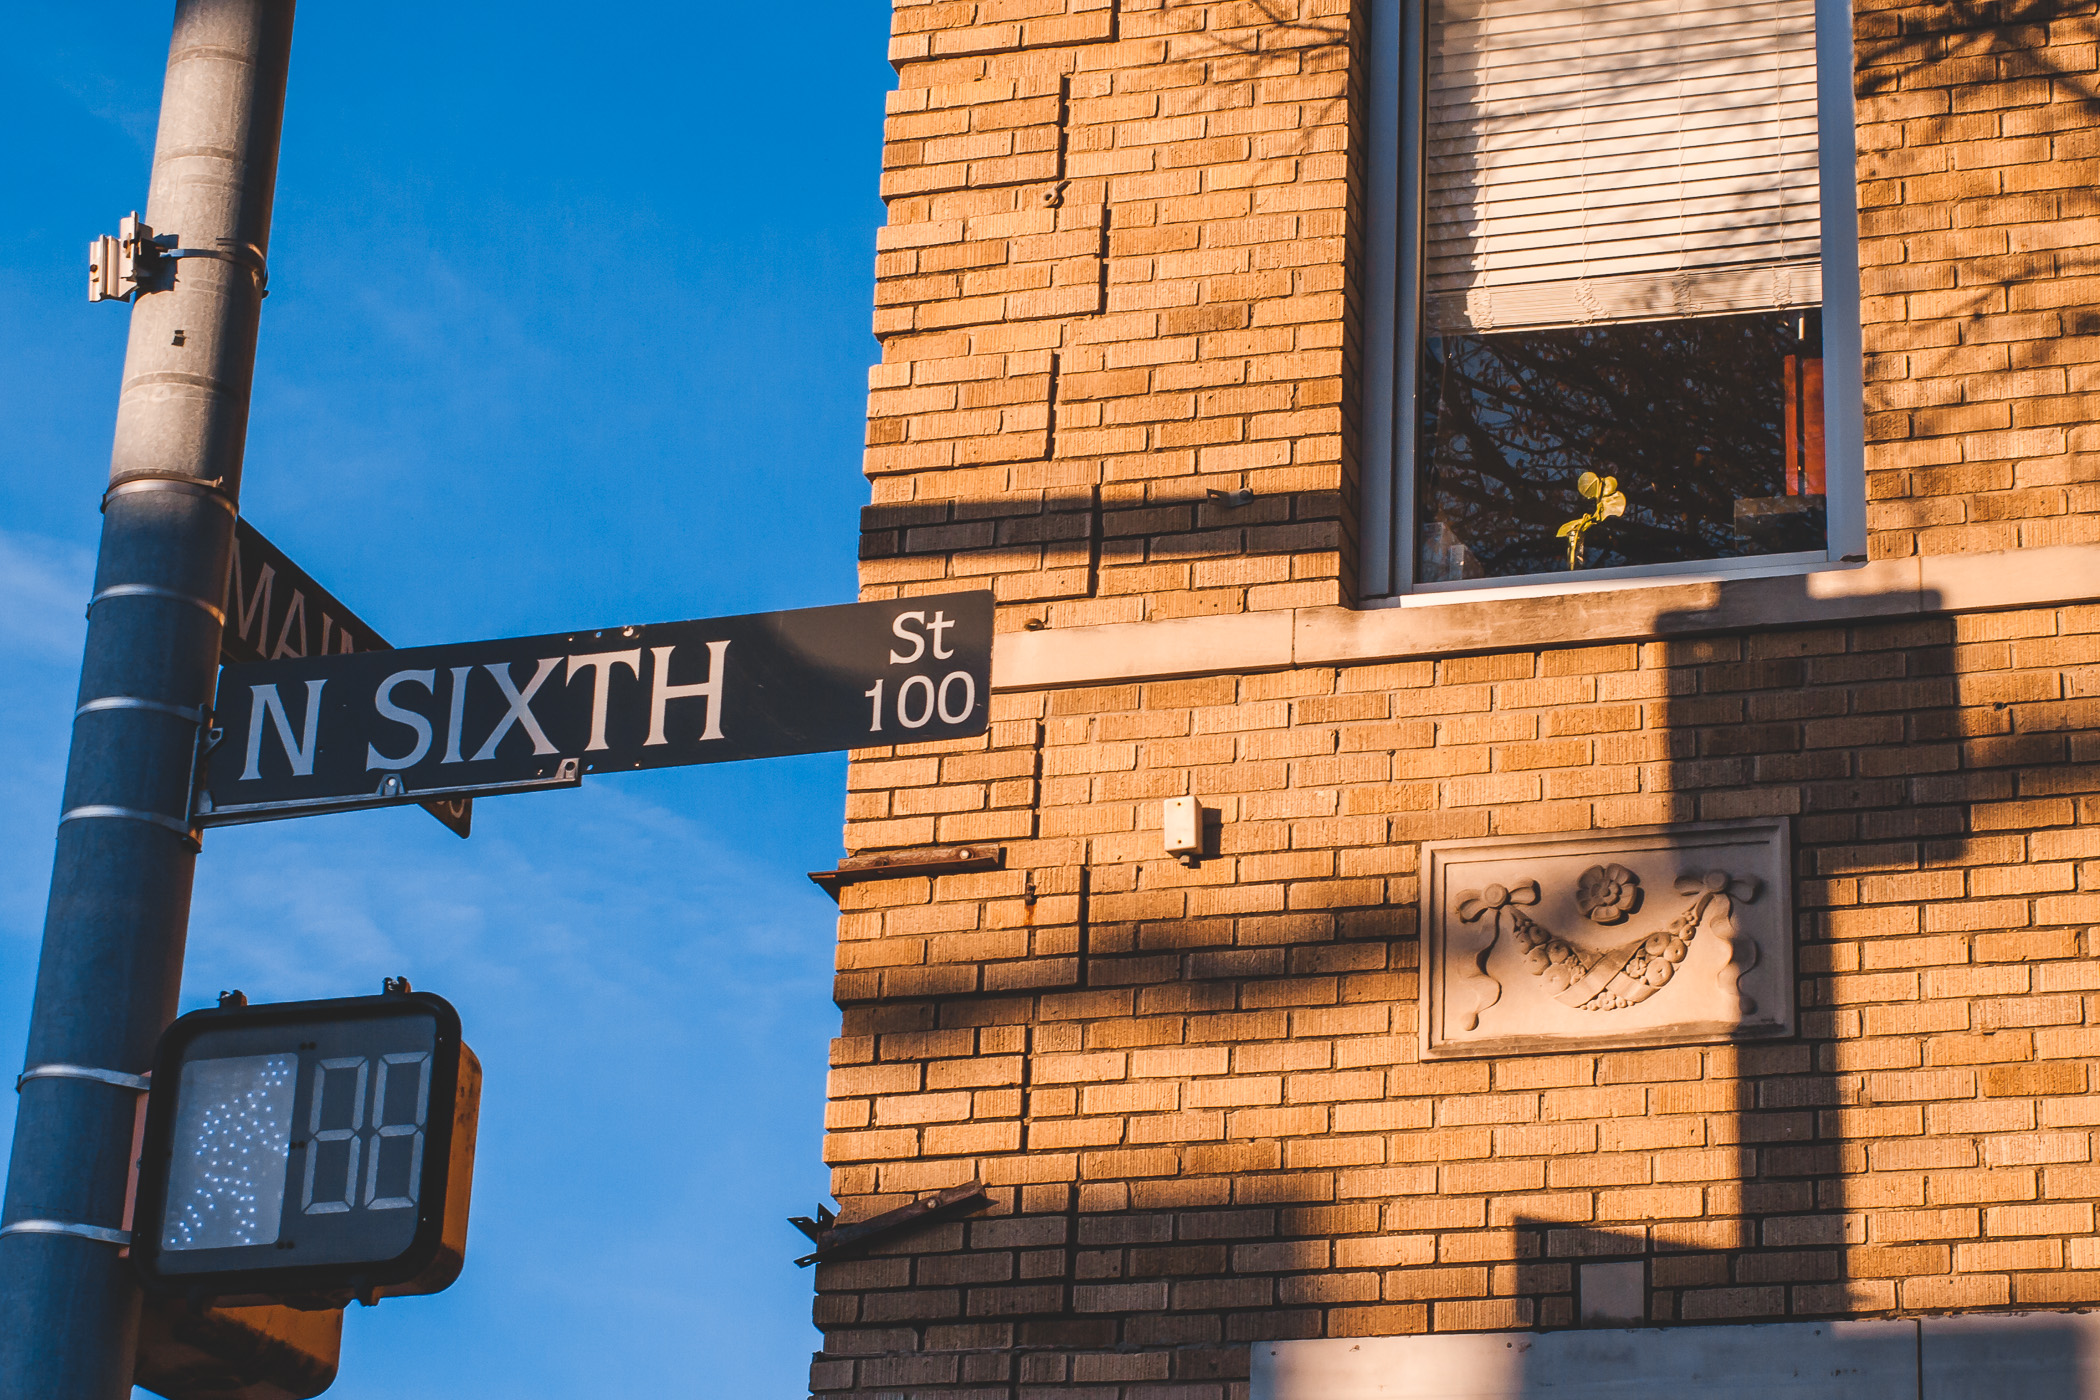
(568, 328)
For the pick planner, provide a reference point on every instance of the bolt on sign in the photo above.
(319, 733)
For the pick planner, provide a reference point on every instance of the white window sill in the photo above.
(1602, 580)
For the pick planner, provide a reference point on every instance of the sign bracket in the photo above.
(137, 1083)
(100, 1234)
(391, 792)
(121, 267)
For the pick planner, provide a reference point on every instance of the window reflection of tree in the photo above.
(1688, 414)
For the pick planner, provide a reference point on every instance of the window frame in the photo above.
(1397, 75)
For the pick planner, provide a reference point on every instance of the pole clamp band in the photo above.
(138, 1083)
(132, 702)
(211, 489)
(154, 590)
(241, 254)
(98, 811)
(101, 1234)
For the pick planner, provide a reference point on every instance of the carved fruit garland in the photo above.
(1613, 978)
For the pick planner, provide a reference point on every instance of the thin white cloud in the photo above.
(108, 98)
(600, 891)
(43, 597)
(43, 592)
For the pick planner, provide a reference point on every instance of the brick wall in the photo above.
(1979, 134)
(1117, 276)
(1113, 281)
(1196, 1092)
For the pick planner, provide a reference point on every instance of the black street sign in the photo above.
(274, 610)
(374, 729)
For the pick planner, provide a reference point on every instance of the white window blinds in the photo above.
(1619, 160)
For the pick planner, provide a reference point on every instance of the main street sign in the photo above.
(275, 610)
(371, 729)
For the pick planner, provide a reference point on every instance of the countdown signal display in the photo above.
(308, 1152)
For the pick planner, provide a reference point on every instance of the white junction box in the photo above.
(1181, 819)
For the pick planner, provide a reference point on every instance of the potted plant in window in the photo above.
(1607, 501)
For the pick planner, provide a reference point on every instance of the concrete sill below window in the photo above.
(1644, 609)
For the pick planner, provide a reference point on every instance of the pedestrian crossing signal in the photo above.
(308, 1152)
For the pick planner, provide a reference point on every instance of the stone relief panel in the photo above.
(1642, 936)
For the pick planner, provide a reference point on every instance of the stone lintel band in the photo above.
(1451, 624)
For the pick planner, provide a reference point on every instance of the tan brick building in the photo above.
(1148, 271)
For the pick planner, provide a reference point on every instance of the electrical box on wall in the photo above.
(1181, 820)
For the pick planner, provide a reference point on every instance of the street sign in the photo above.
(366, 729)
(310, 1151)
(275, 610)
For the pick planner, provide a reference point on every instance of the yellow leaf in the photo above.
(1589, 486)
(1614, 504)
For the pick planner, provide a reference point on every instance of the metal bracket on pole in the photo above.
(133, 702)
(121, 267)
(150, 590)
(103, 811)
(212, 490)
(568, 773)
(209, 737)
(137, 1083)
(113, 263)
(116, 1079)
(101, 1234)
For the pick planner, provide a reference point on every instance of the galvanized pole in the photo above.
(120, 886)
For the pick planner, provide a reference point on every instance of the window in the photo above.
(1613, 303)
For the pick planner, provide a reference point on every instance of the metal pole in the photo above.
(120, 885)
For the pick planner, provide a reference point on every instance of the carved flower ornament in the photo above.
(1606, 894)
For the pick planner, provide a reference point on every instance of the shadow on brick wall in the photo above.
(1122, 551)
(1761, 1193)
(1862, 1167)
(1886, 1158)
(1897, 1156)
